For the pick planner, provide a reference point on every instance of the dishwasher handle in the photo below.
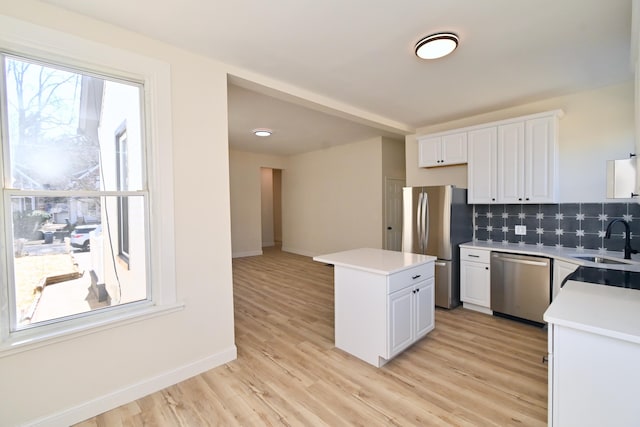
(522, 261)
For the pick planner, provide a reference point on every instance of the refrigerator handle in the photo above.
(419, 222)
(425, 222)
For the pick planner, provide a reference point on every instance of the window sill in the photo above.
(39, 337)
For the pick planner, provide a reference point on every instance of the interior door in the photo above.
(393, 213)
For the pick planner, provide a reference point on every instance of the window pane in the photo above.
(63, 129)
(66, 255)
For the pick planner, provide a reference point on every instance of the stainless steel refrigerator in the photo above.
(435, 221)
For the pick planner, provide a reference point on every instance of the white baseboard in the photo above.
(136, 391)
(247, 253)
(298, 251)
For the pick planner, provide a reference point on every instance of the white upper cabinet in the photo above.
(514, 161)
(541, 157)
(429, 152)
(442, 149)
(481, 170)
(511, 163)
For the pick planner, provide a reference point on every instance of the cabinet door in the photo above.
(400, 321)
(561, 270)
(481, 170)
(424, 308)
(511, 163)
(454, 149)
(475, 285)
(595, 379)
(540, 155)
(429, 152)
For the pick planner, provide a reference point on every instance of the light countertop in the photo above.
(377, 261)
(603, 310)
(563, 254)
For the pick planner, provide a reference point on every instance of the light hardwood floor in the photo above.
(472, 370)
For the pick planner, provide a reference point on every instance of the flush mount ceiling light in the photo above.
(262, 132)
(436, 45)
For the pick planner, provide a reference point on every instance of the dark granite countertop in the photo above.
(605, 276)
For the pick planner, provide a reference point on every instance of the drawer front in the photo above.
(409, 277)
(477, 255)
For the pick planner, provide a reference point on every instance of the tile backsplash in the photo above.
(569, 225)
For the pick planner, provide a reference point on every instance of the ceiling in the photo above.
(359, 53)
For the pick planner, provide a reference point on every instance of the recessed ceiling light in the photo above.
(262, 132)
(436, 45)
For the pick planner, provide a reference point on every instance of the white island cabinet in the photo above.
(594, 352)
(384, 301)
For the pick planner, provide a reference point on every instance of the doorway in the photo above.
(271, 206)
(393, 213)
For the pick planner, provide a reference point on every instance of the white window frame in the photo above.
(32, 41)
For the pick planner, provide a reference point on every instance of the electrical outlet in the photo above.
(521, 230)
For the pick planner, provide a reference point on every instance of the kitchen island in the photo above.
(594, 353)
(384, 301)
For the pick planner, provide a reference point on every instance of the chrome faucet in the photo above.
(627, 237)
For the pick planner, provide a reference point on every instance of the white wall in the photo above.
(96, 371)
(245, 187)
(332, 199)
(124, 281)
(393, 159)
(598, 125)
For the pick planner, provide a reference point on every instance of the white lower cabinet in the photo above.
(475, 279)
(411, 315)
(561, 269)
(593, 379)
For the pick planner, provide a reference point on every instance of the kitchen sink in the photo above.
(600, 259)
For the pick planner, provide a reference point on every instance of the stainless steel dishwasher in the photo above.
(520, 285)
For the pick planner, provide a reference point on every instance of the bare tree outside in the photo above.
(54, 142)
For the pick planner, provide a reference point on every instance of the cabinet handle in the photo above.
(527, 198)
(545, 359)
(520, 199)
(493, 200)
(486, 268)
(416, 276)
(474, 256)
(418, 290)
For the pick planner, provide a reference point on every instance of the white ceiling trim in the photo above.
(305, 98)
